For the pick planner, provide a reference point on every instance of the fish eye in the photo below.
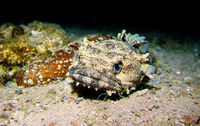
(117, 67)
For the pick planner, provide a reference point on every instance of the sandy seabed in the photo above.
(176, 102)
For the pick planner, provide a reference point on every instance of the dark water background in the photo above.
(180, 18)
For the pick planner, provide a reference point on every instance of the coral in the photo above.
(7, 73)
(131, 39)
(24, 42)
(47, 37)
(134, 40)
(22, 45)
(16, 54)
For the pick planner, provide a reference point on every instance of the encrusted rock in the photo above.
(21, 45)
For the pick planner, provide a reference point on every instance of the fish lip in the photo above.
(95, 79)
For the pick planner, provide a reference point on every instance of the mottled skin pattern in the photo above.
(96, 61)
(44, 72)
(110, 65)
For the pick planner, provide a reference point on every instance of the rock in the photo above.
(78, 100)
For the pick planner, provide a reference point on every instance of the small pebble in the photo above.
(78, 100)
(19, 91)
(105, 107)
(4, 115)
(51, 91)
(67, 85)
(64, 98)
(188, 89)
(73, 123)
(142, 92)
(178, 73)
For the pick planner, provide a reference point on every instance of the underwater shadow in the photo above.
(91, 93)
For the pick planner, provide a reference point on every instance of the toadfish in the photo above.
(115, 65)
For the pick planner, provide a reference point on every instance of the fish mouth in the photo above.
(94, 79)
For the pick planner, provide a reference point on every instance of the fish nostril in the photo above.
(117, 67)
